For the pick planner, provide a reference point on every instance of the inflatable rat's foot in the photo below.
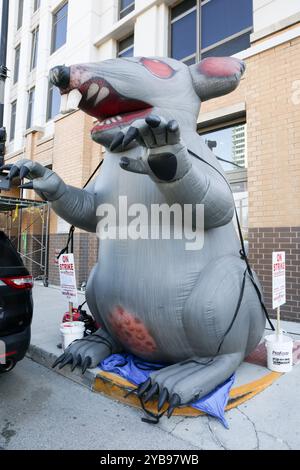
(188, 381)
(88, 352)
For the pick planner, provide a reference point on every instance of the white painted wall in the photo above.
(87, 21)
(268, 12)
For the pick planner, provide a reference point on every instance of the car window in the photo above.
(8, 255)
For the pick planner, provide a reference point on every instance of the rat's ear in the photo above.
(216, 76)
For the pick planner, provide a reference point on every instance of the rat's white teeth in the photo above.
(70, 102)
(93, 90)
(103, 93)
(63, 103)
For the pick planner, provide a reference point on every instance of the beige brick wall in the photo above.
(273, 134)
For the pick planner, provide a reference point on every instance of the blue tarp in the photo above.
(137, 371)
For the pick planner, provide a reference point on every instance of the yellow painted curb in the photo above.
(115, 387)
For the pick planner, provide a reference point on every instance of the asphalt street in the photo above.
(43, 410)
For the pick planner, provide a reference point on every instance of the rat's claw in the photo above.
(68, 359)
(153, 121)
(24, 171)
(163, 397)
(58, 360)
(153, 390)
(86, 364)
(144, 387)
(117, 141)
(131, 135)
(76, 362)
(13, 172)
(175, 401)
(27, 185)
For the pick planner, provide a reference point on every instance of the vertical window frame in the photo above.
(50, 94)
(120, 53)
(17, 64)
(36, 5)
(30, 107)
(54, 24)
(34, 48)
(13, 118)
(20, 14)
(123, 12)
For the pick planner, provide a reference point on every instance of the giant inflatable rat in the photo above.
(197, 311)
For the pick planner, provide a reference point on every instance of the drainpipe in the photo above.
(3, 74)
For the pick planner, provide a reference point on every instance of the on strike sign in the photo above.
(68, 277)
(278, 278)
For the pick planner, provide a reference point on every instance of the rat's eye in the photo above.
(158, 68)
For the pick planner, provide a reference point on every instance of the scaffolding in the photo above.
(26, 222)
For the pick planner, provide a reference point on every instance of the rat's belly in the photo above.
(140, 296)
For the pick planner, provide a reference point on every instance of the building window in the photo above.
(184, 31)
(229, 143)
(17, 63)
(30, 108)
(206, 28)
(126, 47)
(59, 27)
(125, 7)
(36, 5)
(34, 48)
(13, 120)
(20, 13)
(54, 99)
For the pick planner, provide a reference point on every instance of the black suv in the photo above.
(15, 305)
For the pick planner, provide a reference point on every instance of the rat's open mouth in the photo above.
(99, 99)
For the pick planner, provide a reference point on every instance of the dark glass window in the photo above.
(20, 13)
(184, 31)
(31, 95)
(126, 47)
(59, 27)
(54, 100)
(223, 19)
(223, 29)
(13, 120)
(36, 5)
(34, 48)
(125, 7)
(17, 63)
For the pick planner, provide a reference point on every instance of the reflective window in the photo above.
(20, 13)
(13, 120)
(34, 48)
(29, 120)
(210, 28)
(126, 47)
(229, 144)
(184, 31)
(59, 27)
(125, 7)
(17, 63)
(54, 100)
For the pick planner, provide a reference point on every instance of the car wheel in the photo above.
(10, 364)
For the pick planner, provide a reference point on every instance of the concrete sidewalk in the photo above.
(268, 421)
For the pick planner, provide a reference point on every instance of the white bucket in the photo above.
(71, 331)
(279, 353)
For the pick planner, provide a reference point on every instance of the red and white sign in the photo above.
(278, 279)
(68, 277)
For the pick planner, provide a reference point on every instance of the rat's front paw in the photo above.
(152, 132)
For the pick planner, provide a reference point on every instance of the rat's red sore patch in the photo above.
(158, 68)
(220, 66)
(131, 331)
